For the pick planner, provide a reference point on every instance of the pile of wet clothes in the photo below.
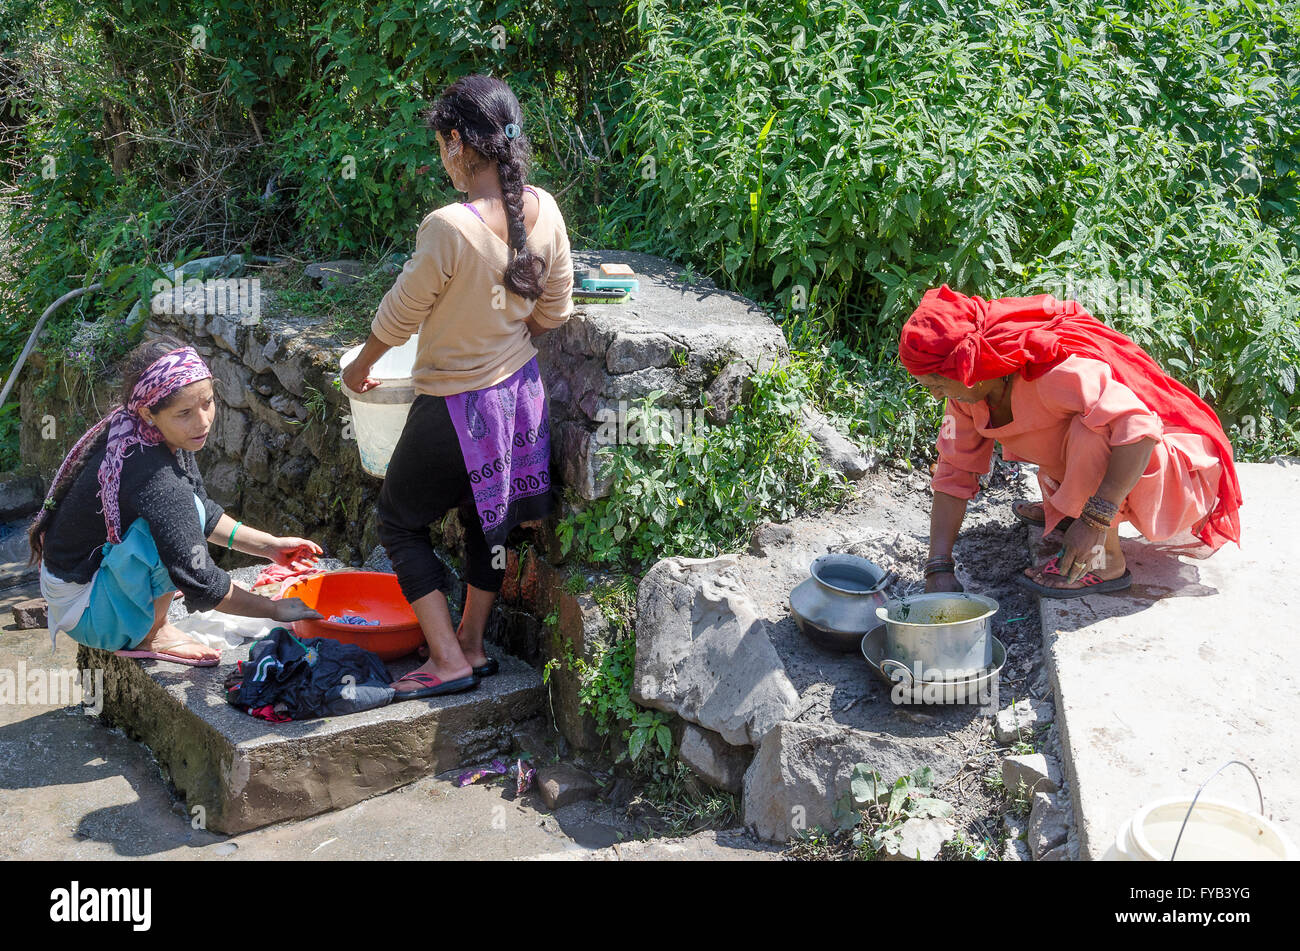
(286, 678)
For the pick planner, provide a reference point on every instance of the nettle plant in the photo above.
(700, 492)
(605, 685)
(843, 158)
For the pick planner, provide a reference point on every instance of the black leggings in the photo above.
(426, 477)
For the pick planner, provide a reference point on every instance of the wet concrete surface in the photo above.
(71, 789)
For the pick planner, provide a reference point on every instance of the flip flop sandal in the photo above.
(1016, 510)
(431, 686)
(170, 658)
(1092, 584)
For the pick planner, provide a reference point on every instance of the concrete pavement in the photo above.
(1197, 664)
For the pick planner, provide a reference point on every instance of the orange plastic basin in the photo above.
(374, 595)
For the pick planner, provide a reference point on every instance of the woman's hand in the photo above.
(942, 581)
(293, 609)
(297, 553)
(1083, 546)
(357, 377)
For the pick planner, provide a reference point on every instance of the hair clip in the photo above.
(512, 130)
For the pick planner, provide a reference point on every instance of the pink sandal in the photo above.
(170, 658)
(1091, 583)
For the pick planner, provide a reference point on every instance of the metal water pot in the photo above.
(941, 636)
(835, 605)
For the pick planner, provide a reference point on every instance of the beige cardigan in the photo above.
(452, 293)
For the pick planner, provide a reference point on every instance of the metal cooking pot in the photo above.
(941, 636)
(834, 606)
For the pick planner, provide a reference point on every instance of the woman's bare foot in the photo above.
(170, 639)
(477, 657)
(1033, 511)
(1107, 565)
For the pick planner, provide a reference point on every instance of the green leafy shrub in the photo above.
(700, 490)
(605, 685)
(845, 157)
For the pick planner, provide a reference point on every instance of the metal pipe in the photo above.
(40, 325)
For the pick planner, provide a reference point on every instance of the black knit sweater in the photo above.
(159, 486)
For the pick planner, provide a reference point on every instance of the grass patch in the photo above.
(343, 310)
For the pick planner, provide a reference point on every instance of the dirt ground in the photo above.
(992, 549)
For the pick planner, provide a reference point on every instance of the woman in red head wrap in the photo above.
(1115, 438)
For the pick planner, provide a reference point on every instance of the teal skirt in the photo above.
(130, 578)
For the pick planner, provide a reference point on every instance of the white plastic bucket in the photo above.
(1216, 831)
(378, 415)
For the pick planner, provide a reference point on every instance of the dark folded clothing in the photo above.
(317, 677)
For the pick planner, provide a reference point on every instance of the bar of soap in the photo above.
(616, 270)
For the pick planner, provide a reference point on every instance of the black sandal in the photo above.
(487, 668)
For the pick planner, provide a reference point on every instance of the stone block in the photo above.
(231, 382)
(704, 653)
(19, 496)
(920, 840)
(1021, 719)
(836, 450)
(713, 759)
(510, 583)
(1049, 824)
(801, 770)
(1035, 771)
(229, 430)
(30, 614)
(629, 352)
(561, 784)
(221, 482)
(292, 374)
(731, 387)
(246, 773)
(228, 332)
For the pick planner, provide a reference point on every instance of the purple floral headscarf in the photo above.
(127, 428)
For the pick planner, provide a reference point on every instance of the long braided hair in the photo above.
(480, 108)
(133, 367)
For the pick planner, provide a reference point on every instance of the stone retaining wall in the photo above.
(279, 460)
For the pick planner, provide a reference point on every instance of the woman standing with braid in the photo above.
(486, 277)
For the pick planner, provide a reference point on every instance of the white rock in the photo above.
(1049, 824)
(1015, 850)
(1035, 771)
(1021, 718)
(703, 651)
(802, 769)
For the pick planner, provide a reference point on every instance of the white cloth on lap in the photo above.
(215, 629)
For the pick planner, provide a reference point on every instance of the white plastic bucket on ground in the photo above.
(378, 415)
(1216, 831)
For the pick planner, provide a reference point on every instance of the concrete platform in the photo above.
(73, 790)
(243, 773)
(1197, 664)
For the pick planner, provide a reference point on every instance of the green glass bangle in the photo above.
(231, 543)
